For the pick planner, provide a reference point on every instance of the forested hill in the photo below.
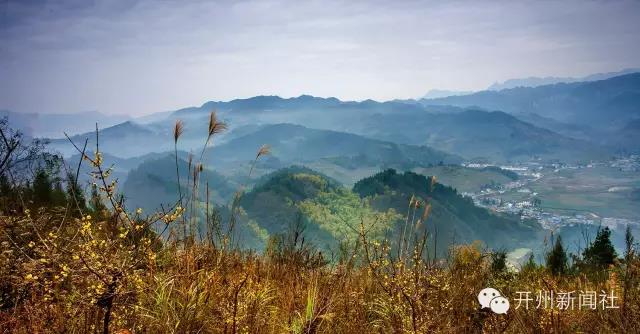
(454, 218)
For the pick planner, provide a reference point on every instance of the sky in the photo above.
(139, 57)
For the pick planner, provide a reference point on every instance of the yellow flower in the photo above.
(139, 211)
(98, 159)
(31, 244)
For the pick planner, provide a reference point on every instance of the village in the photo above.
(527, 205)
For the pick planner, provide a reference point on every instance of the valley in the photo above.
(523, 166)
(564, 196)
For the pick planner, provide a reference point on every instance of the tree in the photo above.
(5, 186)
(96, 202)
(16, 153)
(530, 265)
(42, 188)
(630, 272)
(58, 197)
(629, 244)
(498, 261)
(557, 258)
(601, 253)
(75, 194)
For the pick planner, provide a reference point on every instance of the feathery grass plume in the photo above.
(264, 150)
(403, 240)
(178, 129)
(215, 126)
(427, 210)
(425, 215)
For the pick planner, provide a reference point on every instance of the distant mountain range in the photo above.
(438, 93)
(124, 140)
(347, 129)
(605, 105)
(54, 125)
(537, 81)
(578, 121)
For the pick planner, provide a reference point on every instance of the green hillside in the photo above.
(329, 212)
(454, 218)
(332, 214)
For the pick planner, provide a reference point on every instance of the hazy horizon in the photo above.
(141, 57)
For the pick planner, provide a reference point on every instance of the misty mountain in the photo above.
(471, 134)
(576, 131)
(154, 183)
(605, 104)
(54, 125)
(628, 138)
(298, 144)
(450, 129)
(120, 167)
(537, 81)
(438, 93)
(124, 140)
(495, 136)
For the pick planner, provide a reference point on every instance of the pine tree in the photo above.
(557, 258)
(96, 202)
(75, 195)
(58, 197)
(601, 253)
(5, 186)
(498, 261)
(42, 189)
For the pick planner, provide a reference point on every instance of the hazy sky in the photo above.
(138, 57)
